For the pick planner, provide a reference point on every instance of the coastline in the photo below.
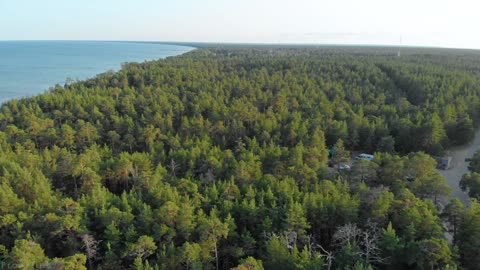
(38, 84)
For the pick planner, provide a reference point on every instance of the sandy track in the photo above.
(460, 167)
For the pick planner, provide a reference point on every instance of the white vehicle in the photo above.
(344, 167)
(364, 156)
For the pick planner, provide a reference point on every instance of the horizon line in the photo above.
(275, 44)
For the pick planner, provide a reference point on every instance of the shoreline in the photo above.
(46, 89)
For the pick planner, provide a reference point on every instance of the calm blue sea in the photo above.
(30, 67)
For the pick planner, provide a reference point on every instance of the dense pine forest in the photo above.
(229, 158)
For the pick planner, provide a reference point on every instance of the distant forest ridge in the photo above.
(233, 45)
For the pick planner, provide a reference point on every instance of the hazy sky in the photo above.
(445, 23)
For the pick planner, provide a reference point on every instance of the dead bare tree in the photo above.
(370, 238)
(347, 234)
(269, 235)
(173, 168)
(329, 256)
(314, 248)
(367, 240)
(90, 245)
(311, 245)
(290, 239)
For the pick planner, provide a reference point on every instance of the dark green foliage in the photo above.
(474, 163)
(468, 237)
(453, 213)
(470, 183)
(217, 159)
(386, 145)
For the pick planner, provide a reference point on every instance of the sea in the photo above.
(29, 68)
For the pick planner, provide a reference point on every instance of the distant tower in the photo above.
(400, 47)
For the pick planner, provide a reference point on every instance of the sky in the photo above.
(436, 23)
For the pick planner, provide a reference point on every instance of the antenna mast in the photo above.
(399, 47)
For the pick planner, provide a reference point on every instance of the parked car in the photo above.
(364, 156)
(344, 167)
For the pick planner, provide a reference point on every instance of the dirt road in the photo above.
(459, 166)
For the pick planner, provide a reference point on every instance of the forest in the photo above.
(221, 159)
